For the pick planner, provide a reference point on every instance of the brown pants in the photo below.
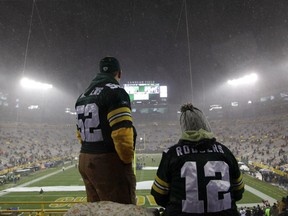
(107, 178)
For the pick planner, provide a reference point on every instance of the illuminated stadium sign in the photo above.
(146, 91)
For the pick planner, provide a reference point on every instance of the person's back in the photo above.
(198, 175)
(282, 205)
(248, 212)
(260, 211)
(267, 211)
(274, 210)
(107, 135)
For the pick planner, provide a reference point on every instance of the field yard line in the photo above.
(36, 180)
(260, 194)
(248, 188)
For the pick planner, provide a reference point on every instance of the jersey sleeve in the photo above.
(120, 120)
(78, 136)
(237, 184)
(161, 186)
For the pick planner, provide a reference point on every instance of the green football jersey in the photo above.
(102, 108)
(198, 178)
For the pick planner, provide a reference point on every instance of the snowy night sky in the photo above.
(67, 39)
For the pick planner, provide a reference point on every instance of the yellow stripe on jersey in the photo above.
(239, 187)
(78, 135)
(118, 111)
(158, 190)
(118, 115)
(119, 119)
(161, 186)
(238, 184)
(161, 182)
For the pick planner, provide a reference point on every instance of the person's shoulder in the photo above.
(172, 147)
(113, 86)
(224, 147)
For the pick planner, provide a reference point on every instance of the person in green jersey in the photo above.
(198, 175)
(107, 136)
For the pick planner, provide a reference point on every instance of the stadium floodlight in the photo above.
(248, 79)
(32, 84)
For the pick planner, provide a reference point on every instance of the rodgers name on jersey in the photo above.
(186, 149)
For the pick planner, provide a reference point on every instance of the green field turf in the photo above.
(71, 177)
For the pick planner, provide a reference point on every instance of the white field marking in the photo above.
(260, 194)
(35, 180)
(144, 185)
(149, 168)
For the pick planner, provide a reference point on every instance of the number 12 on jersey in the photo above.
(192, 204)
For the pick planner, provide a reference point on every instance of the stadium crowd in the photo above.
(24, 144)
(263, 140)
(266, 209)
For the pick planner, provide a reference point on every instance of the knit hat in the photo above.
(193, 119)
(109, 65)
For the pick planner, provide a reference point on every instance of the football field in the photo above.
(54, 185)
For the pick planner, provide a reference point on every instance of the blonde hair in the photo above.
(193, 119)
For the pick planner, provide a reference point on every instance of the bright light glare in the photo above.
(32, 84)
(68, 111)
(32, 107)
(248, 79)
(215, 106)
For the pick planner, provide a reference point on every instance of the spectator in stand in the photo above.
(242, 212)
(267, 211)
(248, 212)
(198, 175)
(282, 206)
(259, 211)
(274, 211)
(107, 135)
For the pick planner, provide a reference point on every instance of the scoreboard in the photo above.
(146, 91)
